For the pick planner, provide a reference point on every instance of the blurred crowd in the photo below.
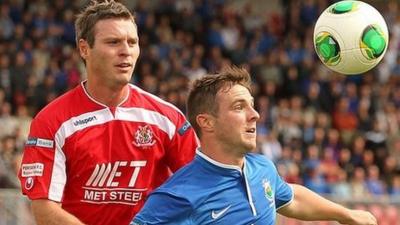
(334, 134)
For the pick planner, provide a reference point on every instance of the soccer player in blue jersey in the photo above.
(226, 183)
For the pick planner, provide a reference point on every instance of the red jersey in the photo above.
(101, 162)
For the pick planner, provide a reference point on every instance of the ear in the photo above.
(83, 48)
(206, 122)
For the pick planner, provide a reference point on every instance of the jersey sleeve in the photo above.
(284, 193)
(163, 209)
(42, 171)
(183, 145)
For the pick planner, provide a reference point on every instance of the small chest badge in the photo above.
(144, 137)
(269, 194)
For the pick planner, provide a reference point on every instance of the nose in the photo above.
(125, 49)
(254, 115)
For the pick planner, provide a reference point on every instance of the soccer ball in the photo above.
(350, 37)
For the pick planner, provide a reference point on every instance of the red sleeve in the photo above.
(183, 145)
(37, 163)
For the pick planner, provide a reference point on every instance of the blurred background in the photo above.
(337, 135)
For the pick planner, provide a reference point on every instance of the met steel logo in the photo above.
(115, 183)
(85, 121)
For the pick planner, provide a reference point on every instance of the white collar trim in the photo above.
(99, 103)
(216, 163)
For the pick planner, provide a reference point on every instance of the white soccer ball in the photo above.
(351, 37)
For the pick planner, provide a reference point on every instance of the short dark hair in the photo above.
(96, 11)
(202, 95)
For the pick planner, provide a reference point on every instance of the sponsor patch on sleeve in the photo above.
(29, 183)
(32, 170)
(39, 142)
(184, 128)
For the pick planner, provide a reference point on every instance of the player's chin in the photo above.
(124, 78)
(127, 75)
(251, 146)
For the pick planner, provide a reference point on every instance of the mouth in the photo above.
(251, 130)
(124, 65)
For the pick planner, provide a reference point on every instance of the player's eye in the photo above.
(238, 107)
(112, 42)
(132, 42)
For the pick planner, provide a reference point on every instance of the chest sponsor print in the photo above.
(114, 183)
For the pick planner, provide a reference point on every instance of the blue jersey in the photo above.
(208, 192)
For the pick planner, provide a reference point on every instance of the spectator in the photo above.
(374, 183)
(8, 178)
(342, 188)
(394, 190)
(270, 147)
(344, 119)
(8, 122)
(358, 184)
(5, 178)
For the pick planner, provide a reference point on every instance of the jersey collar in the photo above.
(99, 103)
(218, 166)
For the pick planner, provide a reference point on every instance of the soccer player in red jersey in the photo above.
(95, 153)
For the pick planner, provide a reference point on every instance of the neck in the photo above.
(221, 154)
(109, 96)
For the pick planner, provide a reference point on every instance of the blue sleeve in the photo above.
(283, 192)
(163, 208)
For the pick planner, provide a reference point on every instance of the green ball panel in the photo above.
(373, 42)
(344, 7)
(327, 48)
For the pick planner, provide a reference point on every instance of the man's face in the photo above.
(114, 53)
(235, 124)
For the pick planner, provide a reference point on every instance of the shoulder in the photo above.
(154, 103)
(258, 160)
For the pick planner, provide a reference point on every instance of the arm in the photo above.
(307, 205)
(47, 212)
(37, 168)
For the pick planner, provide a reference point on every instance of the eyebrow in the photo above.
(135, 39)
(119, 38)
(241, 100)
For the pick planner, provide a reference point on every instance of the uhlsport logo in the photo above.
(84, 121)
(144, 137)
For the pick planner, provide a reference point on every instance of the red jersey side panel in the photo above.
(101, 163)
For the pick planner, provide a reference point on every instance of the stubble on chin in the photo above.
(118, 84)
